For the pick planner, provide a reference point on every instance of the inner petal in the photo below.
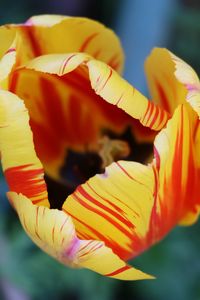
(76, 133)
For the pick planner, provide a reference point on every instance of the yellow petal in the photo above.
(177, 171)
(117, 91)
(22, 168)
(188, 77)
(164, 87)
(53, 231)
(101, 259)
(7, 54)
(50, 229)
(106, 83)
(132, 206)
(115, 207)
(48, 34)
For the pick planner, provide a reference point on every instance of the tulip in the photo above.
(61, 92)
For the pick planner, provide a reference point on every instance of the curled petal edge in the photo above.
(106, 83)
(53, 231)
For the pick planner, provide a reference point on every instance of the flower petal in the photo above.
(106, 83)
(57, 92)
(115, 207)
(164, 87)
(177, 172)
(22, 168)
(7, 54)
(60, 34)
(117, 91)
(53, 231)
(188, 77)
(132, 206)
(101, 259)
(50, 229)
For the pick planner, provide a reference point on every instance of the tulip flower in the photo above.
(61, 93)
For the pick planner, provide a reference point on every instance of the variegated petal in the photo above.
(21, 166)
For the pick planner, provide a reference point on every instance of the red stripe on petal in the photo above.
(13, 81)
(34, 43)
(125, 172)
(123, 269)
(155, 114)
(114, 62)
(148, 113)
(145, 115)
(108, 78)
(109, 210)
(64, 64)
(94, 234)
(102, 210)
(92, 249)
(117, 208)
(163, 97)
(27, 181)
(87, 42)
(119, 100)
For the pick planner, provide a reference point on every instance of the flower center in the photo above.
(112, 150)
(80, 166)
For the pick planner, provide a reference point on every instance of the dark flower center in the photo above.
(80, 166)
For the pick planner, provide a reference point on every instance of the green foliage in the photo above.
(185, 34)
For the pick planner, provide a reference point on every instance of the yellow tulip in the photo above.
(60, 90)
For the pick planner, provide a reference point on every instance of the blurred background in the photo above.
(26, 273)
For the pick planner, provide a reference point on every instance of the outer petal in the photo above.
(7, 54)
(172, 81)
(132, 206)
(48, 34)
(101, 259)
(117, 91)
(115, 207)
(188, 77)
(106, 83)
(177, 171)
(57, 92)
(50, 229)
(53, 231)
(164, 87)
(23, 170)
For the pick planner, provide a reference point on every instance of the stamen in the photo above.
(112, 149)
